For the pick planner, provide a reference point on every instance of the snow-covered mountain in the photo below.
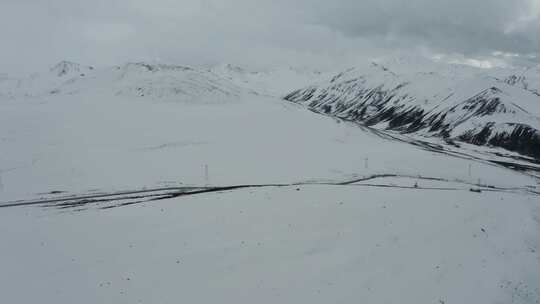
(70, 69)
(496, 107)
(46, 82)
(91, 100)
(528, 79)
(160, 81)
(456, 103)
(272, 81)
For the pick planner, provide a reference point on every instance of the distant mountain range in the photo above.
(486, 107)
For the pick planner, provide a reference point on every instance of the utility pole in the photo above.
(206, 175)
(366, 163)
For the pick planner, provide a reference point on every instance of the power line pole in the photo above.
(206, 175)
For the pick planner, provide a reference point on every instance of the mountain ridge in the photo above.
(455, 106)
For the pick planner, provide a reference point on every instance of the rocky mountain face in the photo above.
(454, 103)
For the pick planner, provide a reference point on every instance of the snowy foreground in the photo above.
(318, 244)
(112, 199)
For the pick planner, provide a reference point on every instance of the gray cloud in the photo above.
(38, 33)
(458, 25)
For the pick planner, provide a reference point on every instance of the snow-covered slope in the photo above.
(77, 143)
(273, 81)
(449, 101)
(95, 120)
(526, 78)
(47, 82)
(70, 69)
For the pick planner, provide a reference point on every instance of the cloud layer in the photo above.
(263, 32)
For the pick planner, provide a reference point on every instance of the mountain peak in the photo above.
(155, 67)
(65, 67)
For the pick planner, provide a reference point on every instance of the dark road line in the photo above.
(157, 194)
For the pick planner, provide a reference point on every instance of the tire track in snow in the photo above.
(125, 198)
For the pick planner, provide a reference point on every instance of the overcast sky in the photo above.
(37, 33)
